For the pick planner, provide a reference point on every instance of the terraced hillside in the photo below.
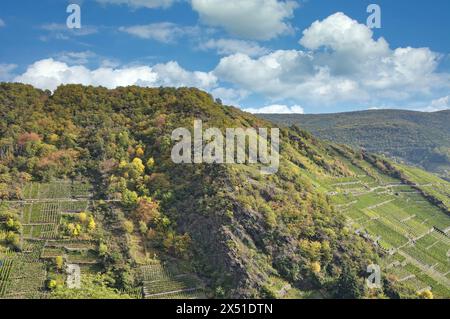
(412, 233)
(308, 231)
(44, 212)
(159, 282)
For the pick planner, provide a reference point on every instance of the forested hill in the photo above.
(419, 138)
(87, 179)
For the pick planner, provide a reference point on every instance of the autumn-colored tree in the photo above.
(128, 226)
(28, 137)
(82, 217)
(59, 262)
(129, 198)
(91, 224)
(147, 210)
(138, 166)
(426, 294)
(139, 151)
(315, 267)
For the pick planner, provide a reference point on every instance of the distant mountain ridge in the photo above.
(418, 138)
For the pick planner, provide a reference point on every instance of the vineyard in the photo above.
(45, 211)
(162, 283)
(24, 274)
(413, 233)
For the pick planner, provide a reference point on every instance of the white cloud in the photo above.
(232, 46)
(342, 63)
(62, 32)
(2, 23)
(171, 74)
(276, 109)
(229, 96)
(165, 32)
(70, 58)
(49, 74)
(150, 4)
(443, 102)
(439, 104)
(253, 19)
(6, 71)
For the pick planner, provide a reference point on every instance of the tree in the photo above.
(59, 262)
(82, 217)
(143, 228)
(138, 166)
(51, 284)
(12, 239)
(150, 163)
(348, 286)
(147, 210)
(91, 224)
(129, 198)
(426, 294)
(139, 152)
(102, 250)
(128, 226)
(315, 267)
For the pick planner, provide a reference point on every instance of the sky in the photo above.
(272, 56)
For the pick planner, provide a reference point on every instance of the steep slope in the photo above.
(227, 227)
(419, 138)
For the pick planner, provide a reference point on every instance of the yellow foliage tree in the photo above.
(59, 261)
(139, 152)
(91, 224)
(138, 165)
(82, 217)
(426, 294)
(315, 267)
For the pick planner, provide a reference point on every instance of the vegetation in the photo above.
(422, 139)
(87, 178)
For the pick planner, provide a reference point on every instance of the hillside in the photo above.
(87, 181)
(417, 138)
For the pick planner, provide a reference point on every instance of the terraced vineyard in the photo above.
(413, 233)
(161, 283)
(44, 211)
(23, 274)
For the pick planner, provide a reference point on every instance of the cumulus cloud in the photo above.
(232, 46)
(276, 109)
(6, 71)
(229, 96)
(165, 32)
(49, 74)
(341, 62)
(2, 23)
(439, 104)
(253, 19)
(150, 4)
(443, 102)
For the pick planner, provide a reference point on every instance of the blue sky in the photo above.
(314, 56)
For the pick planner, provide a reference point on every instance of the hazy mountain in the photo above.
(415, 137)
